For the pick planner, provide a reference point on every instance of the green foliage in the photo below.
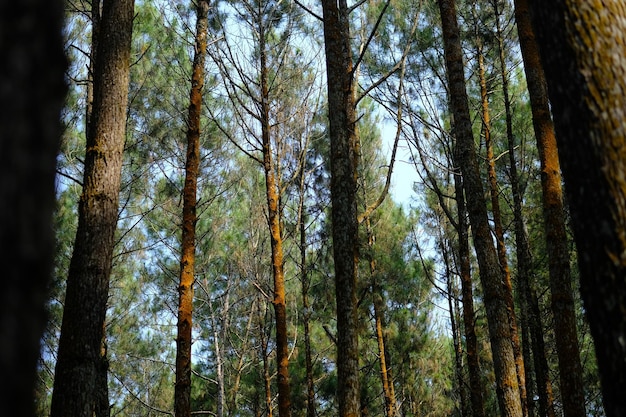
(233, 316)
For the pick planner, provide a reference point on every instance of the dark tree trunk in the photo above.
(79, 358)
(471, 344)
(343, 160)
(31, 98)
(490, 273)
(182, 389)
(582, 48)
(563, 308)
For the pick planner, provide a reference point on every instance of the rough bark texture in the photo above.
(32, 90)
(494, 193)
(182, 389)
(276, 241)
(343, 196)
(583, 53)
(79, 356)
(471, 345)
(490, 273)
(562, 300)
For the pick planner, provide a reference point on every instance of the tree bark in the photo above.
(306, 283)
(476, 388)
(276, 239)
(562, 299)
(499, 228)
(490, 273)
(182, 390)
(455, 327)
(583, 55)
(343, 160)
(31, 97)
(79, 354)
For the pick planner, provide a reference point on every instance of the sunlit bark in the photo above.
(490, 274)
(182, 392)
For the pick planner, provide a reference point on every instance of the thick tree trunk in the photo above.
(471, 344)
(343, 160)
(79, 355)
(490, 273)
(583, 55)
(182, 391)
(31, 99)
(563, 308)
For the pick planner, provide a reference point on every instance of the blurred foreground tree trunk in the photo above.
(583, 50)
(30, 131)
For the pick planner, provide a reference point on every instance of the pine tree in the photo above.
(582, 54)
(490, 273)
(81, 361)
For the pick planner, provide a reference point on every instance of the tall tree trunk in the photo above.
(276, 241)
(542, 371)
(499, 230)
(31, 98)
(383, 355)
(471, 344)
(182, 391)
(532, 330)
(490, 273)
(455, 327)
(343, 160)
(562, 299)
(79, 354)
(306, 283)
(379, 322)
(265, 372)
(583, 55)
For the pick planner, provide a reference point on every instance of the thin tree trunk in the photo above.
(306, 316)
(31, 99)
(456, 331)
(232, 404)
(182, 391)
(274, 222)
(562, 299)
(379, 326)
(542, 371)
(471, 344)
(490, 274)
(499, 232)
(79, 355)
(343, 163)
(265, 371)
